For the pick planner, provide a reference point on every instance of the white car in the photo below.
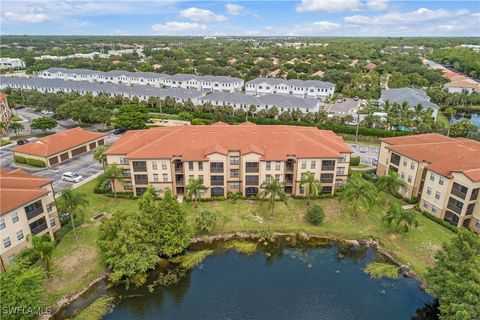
(46, 112)
(72, 177)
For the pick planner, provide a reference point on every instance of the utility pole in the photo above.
(358, 125)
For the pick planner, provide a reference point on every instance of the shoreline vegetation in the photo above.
(76, 264)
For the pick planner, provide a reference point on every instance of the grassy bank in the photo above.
(76, 262)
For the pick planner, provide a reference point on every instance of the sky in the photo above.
(241, 18)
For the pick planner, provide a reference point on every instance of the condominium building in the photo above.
(185, 81)
(27, 207)
(302, 88)
(11, 63)
(442, 172)
(229, 158)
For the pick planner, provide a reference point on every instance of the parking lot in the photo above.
(85, 165)
(368, 154)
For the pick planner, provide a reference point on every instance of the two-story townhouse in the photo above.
(27, 207)
(228, 158)
(301, 88)
(442, 172)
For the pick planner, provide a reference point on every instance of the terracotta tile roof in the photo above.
(3, 96)
(58, 142)
(18, 188)
(273, 142)
(444, 156)
(464, 84)
(420, 138)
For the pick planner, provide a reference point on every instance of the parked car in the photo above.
(72, 177)
(374, 162)
(64, 215)
(21, 142)
(119, 130)
(47, 112)
(19, 106)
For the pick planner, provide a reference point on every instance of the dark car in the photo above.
(19, 106)
(119, 131)
(21, 142)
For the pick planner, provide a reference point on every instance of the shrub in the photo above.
(315, 215)
(122, 195)
(36, 162)
(185, 115)
(355, 161)
(20, 159)
(206, 221)
(379, 270)
(198, 121)
(102, 186)
(234, 196)
(190, 260)
(318, 196)
(440, 222)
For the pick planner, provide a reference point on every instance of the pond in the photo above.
(277, 282)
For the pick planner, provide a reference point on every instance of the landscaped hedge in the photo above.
(355, 161)
(121, 195)
(320, 196)
(19, 159)
(30, 161)
(440, 222)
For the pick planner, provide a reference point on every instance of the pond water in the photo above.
(474, 117)
(279, 282)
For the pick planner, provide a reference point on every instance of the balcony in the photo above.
(326, 178)
(252, 167)
(34, 209)
(216, 167)
(455, 205)
(217, 181)
(179, 168)
(395, 159)
(141, 179)
(179, 182)
(251, 180)
(289, 167)
(328, 165)
(139, 166)
(288, 182)
(459, 191)
(39, 228)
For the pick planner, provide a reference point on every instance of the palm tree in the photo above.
(71, 201)
(42, 248)
(272, 190)
(405, 219)
(358, 191)
(312, 186)
(16, 127)
(390, 183)
(418, 109)
(100, 156)
(194, 188)
(113, 173)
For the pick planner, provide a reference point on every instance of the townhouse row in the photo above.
(27, 207)
(234, 99)
(185, 81)
(301, 88)
(229, 158)
(442, 172)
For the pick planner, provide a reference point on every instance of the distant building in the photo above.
(303, 88)
(344, 108)
(27, 206)
(442, 172)
(411, 96)
(61, 146)
(11, 63)
(463, 86)
(474, 47)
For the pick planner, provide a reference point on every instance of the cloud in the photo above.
(326, 25)
(197, 14)
(234, 8)
(179, 28)
(27, 17)
(340, 5)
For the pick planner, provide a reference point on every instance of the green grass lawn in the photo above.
(77, 262)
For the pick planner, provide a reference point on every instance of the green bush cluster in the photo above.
(122, 195)
(440, 222)
(315, 215)
(319, 196)
(355, 161)
(30, 161)
(20, 159)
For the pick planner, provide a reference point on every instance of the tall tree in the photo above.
(194, 189)
(131, 117)
(390, 183)
(16, 127)
(113, 173)
(358, 191)
(100, 156)
(43, 123)
(271, 191)
(43, 248)
(455, 278)
(70, 202)
(312, 186)
(402, 218)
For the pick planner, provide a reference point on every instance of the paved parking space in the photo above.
(368, 154)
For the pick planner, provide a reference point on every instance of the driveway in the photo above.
(85, 165)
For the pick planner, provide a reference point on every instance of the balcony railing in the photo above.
(288, 182)
(216, 169)
(39, 228)
(33, 213)
(326, 180)
(454, 207)
(214, 182)
(288, 168)
(179, 182)
(252, 169)
(458, 193)
(139, 166)
(178, 168)
(251, 182)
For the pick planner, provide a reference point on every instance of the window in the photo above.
(267, 178)
(155, 177)
(165, 177)
(268, 165)
(470, 208)
(477, 224)
(200, 166)
(50, 206)
(154, 165)
(6, 242)
(2, 224)
(474, 195)
(234, 173)
(409, 179)
(302, 190)
(342, 159)
(441, 180)
(277, 177)
(126, 173)
(304, 164)
(437, 195)
(234, 160)
(434, 209)
(432, 176)
(11, 258)
(412, 165)
(15, 217)
(429, 191)
(426, 204)
(123, 160)
(313, 164)
(340, 171)
(190, 165)
(164, 165)
(404, 162)
(277, 165)
(127, 186)
(19, 235)
(328, 165)
(235, 185)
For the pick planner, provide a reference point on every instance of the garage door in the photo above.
(101, 142)
(92, 145)
(76, 152)
(53, 160)
(64, 156)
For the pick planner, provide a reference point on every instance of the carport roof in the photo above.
(58, 142)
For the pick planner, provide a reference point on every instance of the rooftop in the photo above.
(410, 95)
(58, 142)
(19, 188)
(273, 142)
(444, 155)
(293, 82)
